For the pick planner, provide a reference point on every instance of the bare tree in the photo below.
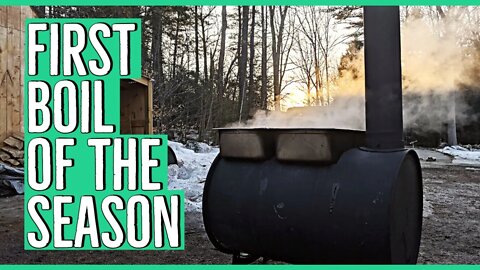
(206, 97)
(221, 59)
(310, 30)
(452, 121)
(157, 54)
(242, 72)
(263, 93)
(221, 64)
(175, 46)
(251, 69)
(277, 45)
(305, 64)
(319, 28)
(197, 51)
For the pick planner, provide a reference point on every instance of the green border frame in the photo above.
(236, 2)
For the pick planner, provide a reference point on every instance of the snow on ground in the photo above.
(462, 155)
(193, 165)
(427, 207)
(190, 173)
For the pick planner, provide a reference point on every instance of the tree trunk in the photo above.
(243, 61)
(157, 52)
(239, 42)
(327, 84)
(221, 64)
(263, 95)
(452, 122)
(251, 90)
(276, 67)
(221, 59)
(146, 45)
(308, 92)
(157, 58)
(175, 47)
(201, 130)
(318, 85)
(277, 45)
(204, 43)
(212, 96)
(197, 52)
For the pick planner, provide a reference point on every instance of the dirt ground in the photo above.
(451, 229)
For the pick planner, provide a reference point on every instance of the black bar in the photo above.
(383, 78)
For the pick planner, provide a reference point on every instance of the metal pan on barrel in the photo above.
(312, 145)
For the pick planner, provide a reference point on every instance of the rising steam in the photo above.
(435, 65)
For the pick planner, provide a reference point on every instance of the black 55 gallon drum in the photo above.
(356, 206)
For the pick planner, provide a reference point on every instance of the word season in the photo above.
(158, 222)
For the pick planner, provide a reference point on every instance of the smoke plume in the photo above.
(436, 64)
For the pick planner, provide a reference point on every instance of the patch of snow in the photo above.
(191, 172)
(462, 155)
(462, 161)
(457, 147)
(427, 208)
(198, 147)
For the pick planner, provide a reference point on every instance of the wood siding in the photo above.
(12, 31)
(136, 106)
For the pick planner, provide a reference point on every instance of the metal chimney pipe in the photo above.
(383, 78)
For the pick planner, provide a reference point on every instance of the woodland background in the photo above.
(214, 65)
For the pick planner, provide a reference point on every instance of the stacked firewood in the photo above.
(11, 151)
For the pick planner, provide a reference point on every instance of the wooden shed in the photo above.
(136, 94)
(12, 32)
(136, 106)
